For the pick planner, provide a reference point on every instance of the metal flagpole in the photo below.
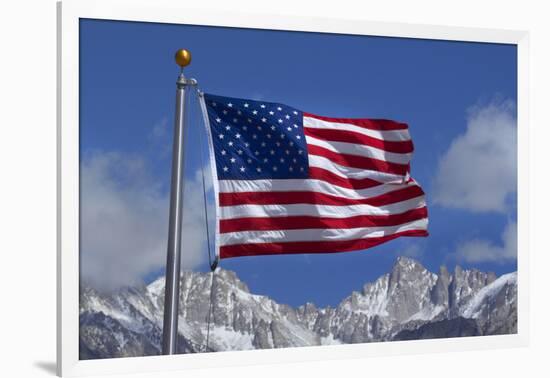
(173, 258)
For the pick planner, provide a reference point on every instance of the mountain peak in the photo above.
(407, 264)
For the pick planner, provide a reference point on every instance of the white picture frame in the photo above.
(69, 13)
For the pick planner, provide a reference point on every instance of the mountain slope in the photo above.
(409, 302)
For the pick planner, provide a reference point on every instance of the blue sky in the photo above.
(458, 99)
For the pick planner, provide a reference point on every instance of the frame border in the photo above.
(171, 11)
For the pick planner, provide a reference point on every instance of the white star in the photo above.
(265, 160)
(256, 153)
(282, 160)
(224, 111)
(262, 106)
(263, 144)
(273, 127)
(246, 105)
(227, 127)
(249, 161)
(259, 169)
(234, 120)
(272, 152)
(218, 120)
(254, 112)
(249, 120)
(245, 128)
(289, 128)
(214, 104)
(221, 136)
(295, 112)
(247, 144)
(291, 143)
(254, 136)
(301, 169)
(237, 135)
(240, 152)
(233, 160)
(294, 160)
(278, 144)
(242, 169)
(290, 169)
(280, 120)
(298, 137)
(295, 126)
(271, 112)
(300, 152)
(275, 168)
(230, 143)
(225, 169)
(259, 127)
(263, 120)
(287, 152)
(279, 108)
(239, 112)
(268, 136)
(230, 105)
(287, 116)
(223, 152)
(282, 136)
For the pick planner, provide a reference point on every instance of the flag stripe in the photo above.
(311, 222)
(361, 162)
(316, 161)
(344, 182)
(306, 197)
(360, 150)
(244, 211)
(389, 135)
(403, 147)
(297, 185)
(373, 124)
(325, 246)
(274, 236)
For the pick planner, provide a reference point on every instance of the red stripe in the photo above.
(317, 173)
(309, 222)
(373, 124)
(401, 147)
(355, 161)
(286, 198)
(328, 246)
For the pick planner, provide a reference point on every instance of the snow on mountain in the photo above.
(407, 302)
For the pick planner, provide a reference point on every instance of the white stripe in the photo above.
(309, 235)
(360, 150)
(308, 185)
(353, 173)
(301, 209)
(389, 135)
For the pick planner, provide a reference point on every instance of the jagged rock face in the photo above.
(407, 303)
(440, 292)
(455, 327)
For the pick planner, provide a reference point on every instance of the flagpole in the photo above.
(173, 257)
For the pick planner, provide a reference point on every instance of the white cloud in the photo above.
(160, 138)
(479, 170)
(481, 250)
(124, 221)
(413, 250)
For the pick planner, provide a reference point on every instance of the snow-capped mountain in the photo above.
(407, 303)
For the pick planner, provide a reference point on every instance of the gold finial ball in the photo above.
(183, 57)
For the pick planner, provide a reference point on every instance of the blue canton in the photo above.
(256, 139)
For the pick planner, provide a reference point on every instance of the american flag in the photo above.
(287, 181)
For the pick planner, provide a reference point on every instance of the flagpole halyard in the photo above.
(173, 258)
